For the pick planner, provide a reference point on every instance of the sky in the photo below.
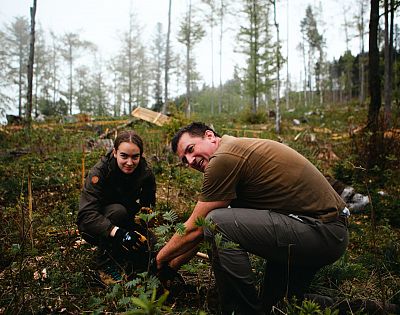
(100, 21)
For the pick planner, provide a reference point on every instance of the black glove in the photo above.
(130, 240)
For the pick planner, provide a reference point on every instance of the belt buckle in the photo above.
(345, 213)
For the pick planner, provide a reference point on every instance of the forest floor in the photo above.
(45, 267)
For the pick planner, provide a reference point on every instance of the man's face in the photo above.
(128, 157)
(196, 151)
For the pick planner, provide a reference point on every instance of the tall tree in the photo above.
(389, 7)
(134, 65)
(254, 40)
(315, 42)
(83, 91)
(287, 91)
(5, 99)
(71, 50)
(30, 66)
(302, 48)
(278, 67)
(221, 15)
(211, 20)
(158, 56)
(374, 85)
(167, 59)
(99, 89)
(348, 61)
(42, 74)
(17, 36)
(115, 65)
(190, 33)
(142, 78)
(360, 22)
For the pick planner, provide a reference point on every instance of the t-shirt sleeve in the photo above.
(221, 178)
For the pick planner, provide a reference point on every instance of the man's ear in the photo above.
(209, 134)
(114, 153)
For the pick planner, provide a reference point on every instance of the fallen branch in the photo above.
(114, 130)
(202, 255)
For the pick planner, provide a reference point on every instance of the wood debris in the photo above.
(153, 117)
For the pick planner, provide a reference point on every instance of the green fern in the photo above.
(180, 228)
(170, 216)
(150, 306)
(163, 229)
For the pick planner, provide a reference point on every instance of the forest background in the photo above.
(118, 68)
(341, 113)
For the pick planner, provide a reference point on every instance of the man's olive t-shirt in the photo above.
(265, 174)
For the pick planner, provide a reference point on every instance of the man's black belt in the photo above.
(340, 216)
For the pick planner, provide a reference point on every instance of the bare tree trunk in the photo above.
(361, 59)
(278, 84)
(301, 82)
(167, 53)
(54, 61)
(391, 47)
(130, 64)
(374, 85)
(30, 66)
(305, 73)
(253, 50)
(220, 56)
(188, 47)
(212, 60)
(70, 80)
(310, 90)
(386, 55)
(388, 63)
(20, 84)
(287, 56)
(321, 76)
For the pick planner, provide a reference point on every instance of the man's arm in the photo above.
(184, 245)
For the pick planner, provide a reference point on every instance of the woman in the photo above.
(116, 188)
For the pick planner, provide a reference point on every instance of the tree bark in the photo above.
(361, 58)
(287, 57)
(278, 83)
(30, 66)
(188, 48)
(374, 85)
(221, 30)
(388, 63)
(374, 76)
(167, 53)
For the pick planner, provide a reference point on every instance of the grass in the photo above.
(55, 272)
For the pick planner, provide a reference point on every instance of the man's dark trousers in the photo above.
(295, 248)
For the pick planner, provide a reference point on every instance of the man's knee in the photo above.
(215, 217)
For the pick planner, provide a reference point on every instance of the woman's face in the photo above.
(128, 157)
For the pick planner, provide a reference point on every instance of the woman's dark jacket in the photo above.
(107, 184)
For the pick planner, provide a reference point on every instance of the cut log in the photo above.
(153, 117)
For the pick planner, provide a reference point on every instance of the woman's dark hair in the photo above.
(195, 129)
(129, 136)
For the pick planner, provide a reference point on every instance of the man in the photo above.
(268, 199)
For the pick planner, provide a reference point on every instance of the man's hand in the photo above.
(130, 240)
(166, 274)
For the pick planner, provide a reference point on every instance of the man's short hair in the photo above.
(195, 129)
